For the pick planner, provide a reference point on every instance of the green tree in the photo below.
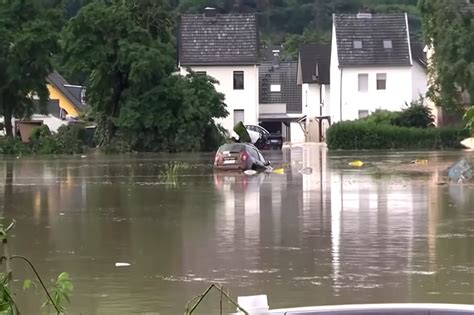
(449, 30)
(117, 42)
(28, 38)
(127, 49)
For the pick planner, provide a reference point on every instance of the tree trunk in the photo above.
(7, 115)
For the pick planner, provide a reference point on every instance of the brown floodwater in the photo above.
(337, 235)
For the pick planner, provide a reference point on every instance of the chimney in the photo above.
(364, 13)
(210, 12)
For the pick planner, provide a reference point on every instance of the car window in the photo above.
(253, 153)
(231, 147)
(262, 130)
(262, 158)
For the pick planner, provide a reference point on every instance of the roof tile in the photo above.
(372, 31)
(219, 40)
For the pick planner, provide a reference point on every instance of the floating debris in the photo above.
(250, 172)
(468, 143)
(460, 172)
(419, 162)
(356, 163)
(306, 170)
(280, 171)
(122, 264)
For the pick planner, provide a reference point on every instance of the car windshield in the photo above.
(232, 147)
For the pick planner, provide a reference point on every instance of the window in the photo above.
(83, 96)
(387, 44)
(275, 88)
(363, 82)
(363, 113)
(381, 81)
(238, 116)
(201, 73)
(357, 44)
(238, 80)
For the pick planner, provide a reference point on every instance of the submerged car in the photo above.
(240, 157)
(266, 140)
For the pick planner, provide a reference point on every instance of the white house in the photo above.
(314, 79)
(225, 47)
(374, 65)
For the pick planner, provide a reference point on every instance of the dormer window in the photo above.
(387, 44)
(83, 96)
(357, 44)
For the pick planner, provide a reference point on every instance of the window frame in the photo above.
(384, 80)
(359, 85)
(355, 43)
(364, 111)
(387, 44)
(236, 84)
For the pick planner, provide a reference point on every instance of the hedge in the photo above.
(363, 135)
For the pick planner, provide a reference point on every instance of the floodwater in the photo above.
(337, 235)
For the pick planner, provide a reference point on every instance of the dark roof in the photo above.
(223, 39)
(268, 53)
(314, 62)
(64, 87)
(284, 74)
(418, 54)
(372, 31)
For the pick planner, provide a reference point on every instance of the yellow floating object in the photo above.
(280, 171)
(421, 162)
(356, 163)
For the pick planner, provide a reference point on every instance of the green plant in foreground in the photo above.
(61, 288)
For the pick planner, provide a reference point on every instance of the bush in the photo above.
(382, 117)
(12, 146)
(415, 115)
(362, 135)
(68, 140)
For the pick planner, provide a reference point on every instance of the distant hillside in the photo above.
(290, 22)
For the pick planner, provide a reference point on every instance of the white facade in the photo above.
(51, 121)
(349, 102)
(311, 99)
(245, 100)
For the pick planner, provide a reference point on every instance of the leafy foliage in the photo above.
(469, 118)
(60, 291)
(382, 117)
(69, 139)
(415, 115)
(131, 89)
(362, 135)
(448, 28)
(28, 38)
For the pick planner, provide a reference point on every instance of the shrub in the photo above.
(68, 140)
(12, 146)
(382, 117)
(415, 115)
(362, 135)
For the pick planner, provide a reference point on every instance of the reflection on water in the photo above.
(334, 235)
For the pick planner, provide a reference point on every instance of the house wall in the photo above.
(335, 75)
(246, 99)
(52, 122)
(310, 99)
(420, 81)
(64, 102)
(399, 89)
